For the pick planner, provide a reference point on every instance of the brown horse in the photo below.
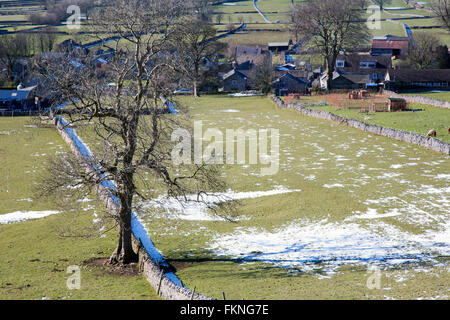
(432, 133)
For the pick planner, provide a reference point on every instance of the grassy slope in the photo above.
(22, 276)
(185, 241)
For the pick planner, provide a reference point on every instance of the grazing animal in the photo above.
(432, 133)
(448, 130)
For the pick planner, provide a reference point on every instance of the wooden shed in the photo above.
(397, 104)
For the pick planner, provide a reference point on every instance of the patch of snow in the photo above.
(307, 244)
(336, 185)
(198, 211)
(19, 216)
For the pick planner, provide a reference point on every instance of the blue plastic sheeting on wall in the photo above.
(62, 105)
(172, 106)
(141, 234)
(137, 228)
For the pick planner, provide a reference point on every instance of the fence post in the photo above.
(160, 282)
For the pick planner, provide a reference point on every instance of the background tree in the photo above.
(45, 39)
(230, 27)
(131, 126)
(194, 44)
(442, 10)
(264, 77)
(219, 18)
(331, 26)
(422, 50)
(381, 3)
(12, 48)
(442, 57)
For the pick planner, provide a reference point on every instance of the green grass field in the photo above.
(433, 95)
(310, 153)
(418, 122)
(35, 254)
(336, 174)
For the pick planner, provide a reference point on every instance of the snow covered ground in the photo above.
(198, 211)
(19, 216)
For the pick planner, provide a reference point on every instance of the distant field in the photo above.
(434, 95)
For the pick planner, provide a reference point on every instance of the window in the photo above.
(367, 64)
(340, 63)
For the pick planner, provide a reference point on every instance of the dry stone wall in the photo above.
(153, 273)
(427, 142)
(419, 99)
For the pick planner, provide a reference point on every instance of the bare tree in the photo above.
(264, 77)
(219, 18)
(381, 3)
(12, 48)
(46, 39)
(331, 26)
(127, 118)
(422, 50)
(442, 9)
(194, 44)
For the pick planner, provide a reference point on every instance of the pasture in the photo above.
(438, 95)
(342, 203)
(35, 254)
(418, 122)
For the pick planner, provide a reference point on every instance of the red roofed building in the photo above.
(390, 45)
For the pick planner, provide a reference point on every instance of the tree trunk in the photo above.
(124, 252)
(195, 89)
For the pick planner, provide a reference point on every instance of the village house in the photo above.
(292, 81)
(409, 79)
(390, 45)
(363, 63)
(247, 57)
(345, 81)
(234, 80)
(246, 61)
(358, 70)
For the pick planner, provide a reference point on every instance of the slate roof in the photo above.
(426, 75)
(352, 62)
(255, 55)
(13, 94)
(233, 72)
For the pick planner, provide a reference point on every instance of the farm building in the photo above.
(20, 98)
(278, 46)
(418, 79)
(390, 45)
(397, 104)
(345, 81)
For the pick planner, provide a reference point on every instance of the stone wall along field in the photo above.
(419, 99)
(427, 142)
(156, 275)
